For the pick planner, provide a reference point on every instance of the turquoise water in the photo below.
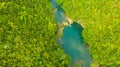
(73, 45)
(59, 13)
(71, 40)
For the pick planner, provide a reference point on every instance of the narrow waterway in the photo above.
(70, 38)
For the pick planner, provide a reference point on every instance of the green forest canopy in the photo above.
(27, 32)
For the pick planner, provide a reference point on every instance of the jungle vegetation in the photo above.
(27, 32)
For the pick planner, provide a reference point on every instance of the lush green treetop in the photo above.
(27, 35)
(101, 22)
(27, 32)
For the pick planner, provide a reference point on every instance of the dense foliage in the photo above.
(27, 29)
(101, 21)
(27, 35)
